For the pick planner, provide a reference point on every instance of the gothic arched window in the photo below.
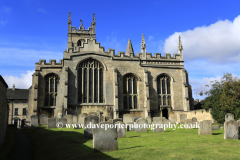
(51, 82)
(90, 82)
(164, 91)
(130, 95)
(79, 43)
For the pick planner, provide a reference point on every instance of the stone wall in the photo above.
(200, 114)
(3, 109)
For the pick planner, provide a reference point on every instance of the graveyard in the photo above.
(69, 143)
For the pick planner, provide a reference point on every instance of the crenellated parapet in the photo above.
(51, 64)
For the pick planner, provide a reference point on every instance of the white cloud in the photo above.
(218, 42)
(3, 22)
(41, 10)
(198, 85)
(6, 9)
(23, 82)
(150, 38)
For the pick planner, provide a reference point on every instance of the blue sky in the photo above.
(31, 30)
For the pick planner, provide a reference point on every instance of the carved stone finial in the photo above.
(129, 48)
(69, 18)
(93, 17)
(180, 47)
(143, 45)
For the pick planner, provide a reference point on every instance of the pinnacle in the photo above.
(129, 48)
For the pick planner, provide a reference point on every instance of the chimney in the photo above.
(13, 88)
(197, 100)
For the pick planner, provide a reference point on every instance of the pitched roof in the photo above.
(1, 79)
(17, 93)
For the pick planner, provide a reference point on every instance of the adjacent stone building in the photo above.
(3, 109)
(18, 105)
(90, 79)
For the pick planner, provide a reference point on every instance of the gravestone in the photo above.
(136, 118)
(81, 118)
(62, 122)
(121, 130)
(51, 122)
(104, 140)
(205, 127)
(141, 125)
(69, 119)
(101, 118)
(92, 114)
(194, 119)
(215, 127)
(88, 122)
(158, 124)
(107, 118)
(231, 130)
(43, 119)
(189, 124)
(183, 117)
(127, 118)
(75, 119)
(229, 117)
(130, 126)
(34, 120)
(116, 120)
(149, 119)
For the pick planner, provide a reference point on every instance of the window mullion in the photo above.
(82, 85)
(98, 83)
(49, 89)
(88, 84)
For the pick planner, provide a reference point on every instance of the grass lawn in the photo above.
(171, 144)
(9, 142)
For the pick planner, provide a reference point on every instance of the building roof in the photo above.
(17, 93)
(1, 79)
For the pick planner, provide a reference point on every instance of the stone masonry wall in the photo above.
(3, 110)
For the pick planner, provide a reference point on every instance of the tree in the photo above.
(223, 97)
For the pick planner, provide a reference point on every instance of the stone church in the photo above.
(90, 79)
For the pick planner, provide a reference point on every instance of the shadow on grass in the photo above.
(134, 136)
(66, 144)
(132, 147)
(216, 133)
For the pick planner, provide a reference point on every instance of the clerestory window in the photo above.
(130, 92)
(90, 82)
(51, 82)
(164, 91)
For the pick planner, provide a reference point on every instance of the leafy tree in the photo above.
(223, 97)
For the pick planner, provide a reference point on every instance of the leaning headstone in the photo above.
(130, 126)
(183, 117)
(69, 118)
(105, 140)
(51, 123)
(136, 118)
(158, 124)
(229, 117)
(149, 119)
(215, 127)
(88, 126)
(231, 130)
(194, 119)
(116, 120)
(121, 130)
(34, 120)
(75, 119)
(189, 124)
(61, 122)
(142, 124)
(205, 127)
(43, 119)
(127, 118)
(81, 118)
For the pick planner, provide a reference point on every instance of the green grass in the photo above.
(170, 144)
(9, 142)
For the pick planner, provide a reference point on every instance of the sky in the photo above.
(31, 30)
